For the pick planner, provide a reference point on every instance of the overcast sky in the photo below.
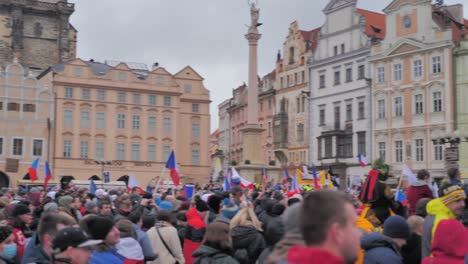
(205, 34)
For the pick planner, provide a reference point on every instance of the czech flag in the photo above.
(362, 160)
(265, 176)
(314, 172)
(48, 175)
(171, 164)
(295, 185)
(227, 184)
(236, 178)
(33, 170)
(285, 176)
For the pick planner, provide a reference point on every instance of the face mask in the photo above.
(9, 251)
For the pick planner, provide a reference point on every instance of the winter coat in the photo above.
(450, 244)
(194, 233)
(274, 230)
(34, 253)
(170, 236)
(280, 250)
(411, 252)
(130, 248)
(145, 244)
(310, 255)
(106, 257)
(380, 250)
(205, 254)
(416, 191)
(248, 243)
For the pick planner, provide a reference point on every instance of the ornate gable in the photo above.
(405, 47)
(396, 4)
(334, 5)
(188, 73)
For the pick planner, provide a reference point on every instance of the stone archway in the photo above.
(124, 178)
(4, 180)
(94, 178)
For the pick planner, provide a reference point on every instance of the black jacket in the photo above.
(248, 244)
(411, 252)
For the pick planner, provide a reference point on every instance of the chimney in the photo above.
(155, 66)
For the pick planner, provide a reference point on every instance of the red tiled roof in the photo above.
(272, 74)
(375, 23)
(311, 36)
(458, 30)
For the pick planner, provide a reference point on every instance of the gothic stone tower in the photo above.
(36, 32)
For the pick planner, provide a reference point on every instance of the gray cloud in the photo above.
(206, 34)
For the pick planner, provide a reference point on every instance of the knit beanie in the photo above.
(90, 206)
(65, 201)
(290, 218)
(229, 209)
(450, 193)
(99, 227)
(167, 206)
(50, 207)
(20, 209)
(5, 232)
(396, 227)
(214, 202)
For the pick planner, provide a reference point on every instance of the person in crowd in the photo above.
(147, 202)
(136, 218)
(386, 247)
(91, 208)
(421, 207)
(247, 237)
(128, 245)
(100, 195)
(39, 249)
(449, 206)
(214, 204)
(411, 252)
(292, 236)
(72, 245)
(165, 240)
(148, 222)
(418, 190)
(195, 229)
(22, 218)
(102, 228)
(105, 208)
(228, 211)
(124, 207)
(8, 250)
(181, 225)
(216, 247)
(450, 244)
(327, 220)
(71, 206)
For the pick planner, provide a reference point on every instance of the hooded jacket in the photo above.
(280, 250)
(450, 245)
(34, 253)
(309, 255)
(380, 250)
(206, 254)
(416, 191)
(248, 243)
(194, 233)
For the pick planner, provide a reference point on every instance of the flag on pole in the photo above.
(407, 171)
(285, 176)
(133, 182)
(171, 164)
(236, 178)
(264, 176)
(92, 186)
(226, 184)
(294, 184)
(33, 170)
(314, 172)
(48, 175)
(362, 160)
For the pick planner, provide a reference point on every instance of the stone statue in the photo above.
(254, 16)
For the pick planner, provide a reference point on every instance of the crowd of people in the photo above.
(246, 226)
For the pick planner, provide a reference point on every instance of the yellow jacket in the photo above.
(440, 211)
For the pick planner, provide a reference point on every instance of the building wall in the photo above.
(462, 108)
(28, 124)
(184, 88)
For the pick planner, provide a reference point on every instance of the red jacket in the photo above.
(310, 255)
(450, 244)
(417, 191)
(193, 234)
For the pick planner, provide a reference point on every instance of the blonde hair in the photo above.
(415, 222)
(246, 217)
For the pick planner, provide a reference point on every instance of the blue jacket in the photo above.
(380, 250)
(33, 253)
(145, 244)
(106, 257)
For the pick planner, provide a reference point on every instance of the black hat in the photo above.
(147, 195)
(72, 237)
(99, 227)
(20, 209)
(5, 232)
(200, 205)
(396, 227)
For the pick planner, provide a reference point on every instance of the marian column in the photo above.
(252, 134)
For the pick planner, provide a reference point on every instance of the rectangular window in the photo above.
(418, 104)
(136, 152)
(68, 118)
(381, 108)
(152, 152)
(67, 148)
(328, 147)
(361, 72)
(322, 81)
(99, 150)
(196, 108)
(84, 149)
(382, 151)
(195, 157)
(417, 68)
(349, 75)
(167, 124)
(349, 112)
(160, 80)
(397, 72)
(437, 98)
(361, 110)
(342, 48)
(298, 105)
(84, 119)
(121, 120)
(337, 78)
(337, 117)
(261, 107)
(419, 149)
(322, 117)
(167, 101)
(120, 151)
(195, 130)
(281, 82)
(300, 132)
(187, 88)
(1, 146)
(152, 124)
(296, 80)
(136, 98)
(335, 50)
(152, 99)
(436, 65)
(438, 151)
(136, 122)
(361, 139)
(303, 104)
(101, 95)
(166, 152)
(398, 151)
(269, 104)
(122, 97)
(100, 120)
(303, 76)
(13, 107)
(85, 93)
(122, 76)
(37, 147)
(29, 108)
(398, 102)
(269, 129)
(381, 74)
(68, 92)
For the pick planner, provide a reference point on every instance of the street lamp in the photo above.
(453, 139)
(102, 163)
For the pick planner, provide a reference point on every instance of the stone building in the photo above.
(131, 117)
(461, 87)
(36, 32)
(26, 123)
